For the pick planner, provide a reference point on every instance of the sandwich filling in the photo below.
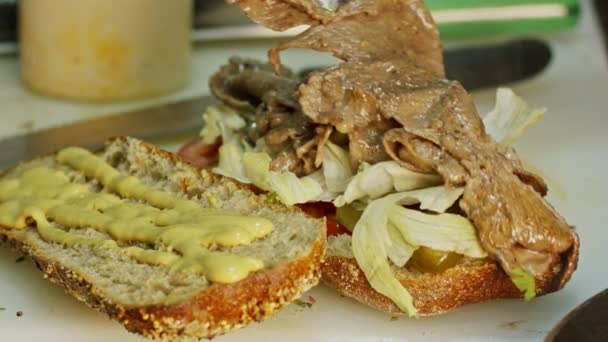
(386, 133)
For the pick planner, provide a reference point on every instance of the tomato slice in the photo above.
(318, 209)
(328, 210)
(200, 154)
(335, 228)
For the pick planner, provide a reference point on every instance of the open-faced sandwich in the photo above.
(441, 210)
(170, 251)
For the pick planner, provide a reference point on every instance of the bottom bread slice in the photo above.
(472, 281)
(146, 299)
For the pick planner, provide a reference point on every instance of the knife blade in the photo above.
(149, 123)
(587, 322)
(491, 65)
(497, 64)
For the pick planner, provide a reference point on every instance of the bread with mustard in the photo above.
(170, 251)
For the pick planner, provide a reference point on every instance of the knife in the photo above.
(148, 124)
(587, 322)
(475, 67)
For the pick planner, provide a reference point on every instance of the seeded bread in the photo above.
(470, 281)
(151, 300)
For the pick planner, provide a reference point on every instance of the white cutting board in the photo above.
(568, 146)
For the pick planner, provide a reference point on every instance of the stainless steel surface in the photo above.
(169, 119)
(588, 322)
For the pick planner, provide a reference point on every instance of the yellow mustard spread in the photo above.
(183, 228)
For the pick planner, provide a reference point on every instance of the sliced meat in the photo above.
(243, 84)
(423, 156)
(281, 15)
(268, 103)
(406, 31)
(306, 158)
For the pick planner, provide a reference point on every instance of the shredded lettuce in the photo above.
(399, 250)
(524, 283)
(336, 167)
(443, 232)
(292, 190)
(510, 117)
(370, 238)
(254, 167)
(257, 169)
(437, 199)
(221, 121)
(230, 162)
(374, 181)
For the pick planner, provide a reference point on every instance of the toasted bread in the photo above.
(146, 299)
(470, 281)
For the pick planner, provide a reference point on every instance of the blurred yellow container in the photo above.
(104, 50)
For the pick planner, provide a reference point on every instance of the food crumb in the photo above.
(312, 299)
(20, 259)
(513, 325)
(19, 313)
(302, 304)
(394, 318)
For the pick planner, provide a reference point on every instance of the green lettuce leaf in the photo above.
(336, 168)
(524, 283)
(257, 169)
(437, 199)
(221, 121)
(369, 241)
(231, 162)
(383, 178)
(443, 232)
(510, 117)
(292, 190)
(398, 249)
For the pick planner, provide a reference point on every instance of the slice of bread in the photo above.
(152, 300)
(470, 281)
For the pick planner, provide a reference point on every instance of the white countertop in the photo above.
(568, 146)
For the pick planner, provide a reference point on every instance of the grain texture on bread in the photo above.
(152, 300)
(471, 281)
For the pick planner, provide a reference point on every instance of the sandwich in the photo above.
(377, 175)
(170, 251)
(428, 205)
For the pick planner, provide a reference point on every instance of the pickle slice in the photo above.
(428, 260)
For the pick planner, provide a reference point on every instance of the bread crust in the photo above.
(434, 293)
(217, 310)
(214, 311)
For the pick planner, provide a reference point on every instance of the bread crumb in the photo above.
(312, 299)
(513, 325)
(19, 313)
